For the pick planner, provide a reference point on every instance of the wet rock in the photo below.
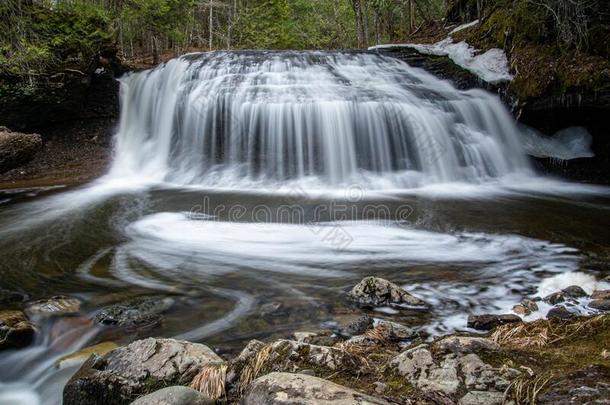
(575, 291)
(136, 313)
(80, 356)
(177, 395)
(601, 295)
(8, 297)
(482, 398)
(142, 367)
(525, 307)
(451, 373)
(15, 330)
(356, 327)
(16, 148)
(559, 312)
(465, 344)
(600, 305)
(54, 306)
(587, 386)
(488, 322)
(555, 298)
(392, 331)
(286, 388)
(376, 292)
(271, 309)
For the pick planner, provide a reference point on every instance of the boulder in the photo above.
(142, 367)
(15, 330)
(287, 388)
(54, 306)
(451, 373)
(601, 295)
(80, 356)
(356, 327)
(600, 305)
(575, 291)
(136, 313)
(488, 322)
(16, 148)
(559, 312)
(555, 298)
(392, 331)
(482, 398)
(525, 307)
(177, 395)
(376, 292)
(465, 344)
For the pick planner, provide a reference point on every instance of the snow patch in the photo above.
(464, 26)
(491, 66)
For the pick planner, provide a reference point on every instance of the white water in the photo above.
(243, 119)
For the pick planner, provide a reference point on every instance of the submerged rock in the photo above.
(287, 388)
(376, 292)
(488, 322)
(81, 355)
(16, 148)
(15, 330)
(600, 305)
(136, 313)
(138, 369)
(177, 395)
(54, 306)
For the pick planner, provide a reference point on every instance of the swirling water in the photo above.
(254, 188)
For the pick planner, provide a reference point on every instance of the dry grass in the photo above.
(525, 389)
(211, 381)
(252, 369)
(544, 332)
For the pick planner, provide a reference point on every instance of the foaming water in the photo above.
(242, 118)
(494, 270)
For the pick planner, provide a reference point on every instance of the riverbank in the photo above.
(560, 358)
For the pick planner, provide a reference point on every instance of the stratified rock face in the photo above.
(488, 322)
(16, 148)
(15, 330)
(177, 395)
(138, 369)
(375, 292)
(137, 313)
(451, 373)
(286, 388)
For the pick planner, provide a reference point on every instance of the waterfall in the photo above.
(262, 117)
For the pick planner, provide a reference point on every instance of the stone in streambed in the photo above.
(600, 305)
(525, 307)
(80, 356)
(575, 291)
(560, 312)
(142, 367)
(287, 388)
(136, 313)
(601, 295)
(488, 322)
(58, 305)
(15, 330)
(377, 292)
(177, 395)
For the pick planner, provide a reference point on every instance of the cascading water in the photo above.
(246, 118)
